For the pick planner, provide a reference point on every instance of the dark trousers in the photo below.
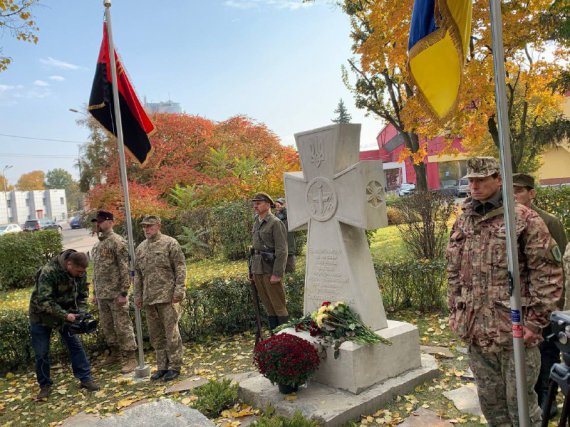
(40, 342)
(549, 355)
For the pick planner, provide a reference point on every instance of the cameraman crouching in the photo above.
(59, 294)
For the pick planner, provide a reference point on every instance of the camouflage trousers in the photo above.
(116, 324)
(162, 321)
(272, 295)
(496, 385)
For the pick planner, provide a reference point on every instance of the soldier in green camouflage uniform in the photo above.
(549, 354)
(160, 277)
(269, 258)
(478, 294)
(111, 287)
(60, 293)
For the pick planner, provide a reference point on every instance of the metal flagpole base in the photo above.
(142, 372)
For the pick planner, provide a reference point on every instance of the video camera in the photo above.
(560, 335)
(84, 324)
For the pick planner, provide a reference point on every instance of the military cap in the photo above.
(102, 216)
(523, 180)
(262, 197)
(280, 200)
(482, 167)
(150, 220)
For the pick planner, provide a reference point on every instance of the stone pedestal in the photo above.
(360, 366)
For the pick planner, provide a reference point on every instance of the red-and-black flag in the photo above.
(136, 124)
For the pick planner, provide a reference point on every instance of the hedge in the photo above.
(555, 200)
(224, 306)
(23, 254)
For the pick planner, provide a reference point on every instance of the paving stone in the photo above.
(468, 375)
(332, 407)
(81, 419)
(465, 399)
(161, 413)
(437, 351)
(462, 350)
(187, 384)
(425, 418)
(238, 378)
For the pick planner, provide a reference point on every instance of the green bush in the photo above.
(298, 420)
(215, 396)
(23, 254)
(417, 284)
(555, 200)
(233, 225)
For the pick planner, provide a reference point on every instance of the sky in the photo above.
(276, 61)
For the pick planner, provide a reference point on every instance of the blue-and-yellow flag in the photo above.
(439, 39)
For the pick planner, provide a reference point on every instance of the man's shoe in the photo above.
(158, 374)
(170, 375)
(113, 358)
(130, 363)
(90, 385)
(44, 393)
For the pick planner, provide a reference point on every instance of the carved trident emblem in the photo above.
(317, 153)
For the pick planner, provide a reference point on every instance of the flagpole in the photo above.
(509, 214)
(142, 370)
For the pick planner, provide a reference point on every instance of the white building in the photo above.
(162, 107)
(19, 206)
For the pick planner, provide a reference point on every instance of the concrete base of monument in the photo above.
(331, 406)
(360, 366)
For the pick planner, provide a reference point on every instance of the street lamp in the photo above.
(6, 190)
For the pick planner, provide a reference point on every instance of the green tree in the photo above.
(61, 179)
(15, 18)
(342, 115)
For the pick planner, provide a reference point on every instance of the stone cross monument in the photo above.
(338, 197)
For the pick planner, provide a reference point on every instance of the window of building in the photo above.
(61, 200)
(27, 202)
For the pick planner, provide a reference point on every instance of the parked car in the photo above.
(75, 222)
(448, 187)
(42, 224)
(462, 188)
(406, 189)
(10, 228)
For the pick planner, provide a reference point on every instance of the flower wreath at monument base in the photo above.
(333, 324)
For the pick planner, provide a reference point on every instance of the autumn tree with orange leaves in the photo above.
(31, 181)
(194, 162)
(534, 63)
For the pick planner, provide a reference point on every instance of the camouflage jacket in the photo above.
(269, 236)
(110, 266)
(554, 225)
(56, 293)
(478, 293)
(567, 265)
(160, 272)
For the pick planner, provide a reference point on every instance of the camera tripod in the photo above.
(559, 377)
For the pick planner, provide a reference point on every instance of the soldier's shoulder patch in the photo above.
(556, 254)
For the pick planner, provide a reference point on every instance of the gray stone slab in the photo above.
(462, 350)
(161, 413)
(242, 376)
(81, 419)
(468, 375)
(425, 418)
(465, 399)
(332, 407)
(187, 384)
(437, 351)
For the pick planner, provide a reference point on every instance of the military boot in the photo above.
(273, 323)
(129, 362)
(44, 393)
(113, 358)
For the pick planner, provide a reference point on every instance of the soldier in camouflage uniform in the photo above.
(478, 294)
(59, 294)
(549, 354)
(111, 288)
(269, 258)
(160, 277)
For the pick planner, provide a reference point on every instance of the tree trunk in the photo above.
(421, 176)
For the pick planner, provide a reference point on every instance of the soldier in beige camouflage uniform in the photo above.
(269, 259)
(111, 288)
(478, 294)
(160, 277)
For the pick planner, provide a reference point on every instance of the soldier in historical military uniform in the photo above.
(160, 277)
(478, 294)
(549, 353)
(281, 213)
(111, 288)
(268, 259)
(60, 293)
